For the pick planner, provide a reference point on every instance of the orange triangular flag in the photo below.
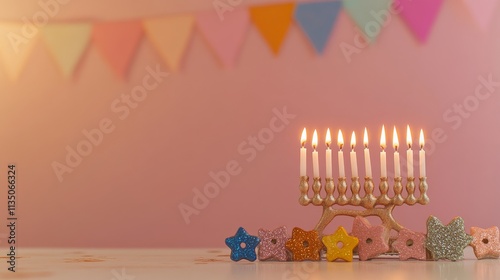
(273, 22)
(170, 36)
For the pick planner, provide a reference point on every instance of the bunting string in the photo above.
(223, 29)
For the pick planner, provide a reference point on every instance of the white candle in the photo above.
(395, 142)
(383, 160)
(303, 153)
(340, 142)
(328, 156)
(409, 153)
(368, 163)
(315, 155)
(354, 160)
(421, 154)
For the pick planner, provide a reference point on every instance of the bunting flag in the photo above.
(370, 16)
(118, 42)
(225, 37)
(170, 36)
(273, 22)
(482, 11)
(67, 43)
(419, 15)
(316, 20)
(16, 44)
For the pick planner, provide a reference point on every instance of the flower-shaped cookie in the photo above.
(410, 244)
(446, 242)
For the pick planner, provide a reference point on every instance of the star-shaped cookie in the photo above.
(485, 242)
(446, 242)
(373, 240)
(242, 245)
(304, 245)
(272, 244)
(410, 244)
(339, 245)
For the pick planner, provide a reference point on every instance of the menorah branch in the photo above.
(381, 206)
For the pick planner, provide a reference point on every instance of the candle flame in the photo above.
(328, 139)
(315, 139)
(422, 139)
(303, 138)
(408, 137)
(340, 140)
(365, 139)
(382, 139)
(353, 140)
(395, 140)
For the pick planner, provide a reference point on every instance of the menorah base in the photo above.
(384, 213)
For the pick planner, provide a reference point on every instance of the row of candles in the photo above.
(353, 158)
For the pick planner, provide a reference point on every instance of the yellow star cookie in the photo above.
(339, 245)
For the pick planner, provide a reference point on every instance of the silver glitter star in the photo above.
(446, 242)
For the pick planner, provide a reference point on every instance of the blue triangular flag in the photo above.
(316, 20)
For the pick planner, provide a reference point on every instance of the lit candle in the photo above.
(354, 161)
(409, 153)
(368, 163)
(340, 142)
(315, 155)
(328, 142)
(383, 160)
(421, 154)
(303, 153)
(395, 142)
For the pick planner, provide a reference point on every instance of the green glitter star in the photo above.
(446, 242)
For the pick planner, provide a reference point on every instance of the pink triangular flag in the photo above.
(482, 11)
(419, 15)
(225, 37)
(118, 42)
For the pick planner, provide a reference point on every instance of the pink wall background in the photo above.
(126, 193)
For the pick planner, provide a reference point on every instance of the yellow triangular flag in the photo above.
(67, 43)
(170, 36)
(16, 44)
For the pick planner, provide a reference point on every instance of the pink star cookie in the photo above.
(410, 244)
(373, 240)
(485, 242)
(272, 244)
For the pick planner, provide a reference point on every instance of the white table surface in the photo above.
(179, 264)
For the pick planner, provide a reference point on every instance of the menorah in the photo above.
(380, 206)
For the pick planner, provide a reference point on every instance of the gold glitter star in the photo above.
(485, 242)
(446, 242)
(304, 245)
(339, 245)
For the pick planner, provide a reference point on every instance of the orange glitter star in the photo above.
(340, 245)
(485, 242)
(304, 245)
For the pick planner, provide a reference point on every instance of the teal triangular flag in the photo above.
(371, 16)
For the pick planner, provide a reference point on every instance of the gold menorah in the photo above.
(381, 206)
